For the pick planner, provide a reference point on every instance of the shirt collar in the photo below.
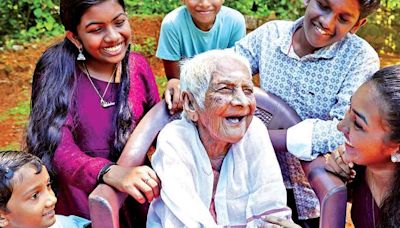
(327, 52)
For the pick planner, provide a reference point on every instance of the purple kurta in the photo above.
(82, 153)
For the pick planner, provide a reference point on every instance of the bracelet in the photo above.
(103, 171)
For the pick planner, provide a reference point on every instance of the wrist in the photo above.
(103, 172)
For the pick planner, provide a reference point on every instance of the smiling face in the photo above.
(32, 201)
(229, 104)
(104, 32)
(365, 130)
(328, 21)
(203, 12)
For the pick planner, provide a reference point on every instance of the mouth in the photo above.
(321, 30)
(114, 49)
(347, 142)
(49, 213)
(204, 12)
(234, 119)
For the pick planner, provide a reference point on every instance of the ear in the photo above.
(3, 219)
(189, 105)
(74, 39)
(358, 25)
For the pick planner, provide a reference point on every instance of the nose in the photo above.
(51, 198)
(328, 21)
(240, 99)
(204, 3)
(343, 125)
(111, 36)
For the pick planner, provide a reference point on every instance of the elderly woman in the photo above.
(217, 165)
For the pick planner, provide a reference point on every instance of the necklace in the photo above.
(103, 103)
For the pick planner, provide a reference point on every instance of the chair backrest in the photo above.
(105, 202)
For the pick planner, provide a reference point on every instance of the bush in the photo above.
(27, 20)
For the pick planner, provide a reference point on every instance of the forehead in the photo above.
(103, 11)
(231, 70)
(351, 7)
(27, 175)
(367, 101)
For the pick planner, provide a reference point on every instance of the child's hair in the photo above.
(367, 7)
(387, 83)
(11, 162)
(53, 85)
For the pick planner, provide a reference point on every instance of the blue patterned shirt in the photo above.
(318, 86)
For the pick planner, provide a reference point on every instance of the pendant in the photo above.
(106, 104)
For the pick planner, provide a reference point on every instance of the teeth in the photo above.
(347, 142)
(113, 49)
(320, 30)
(233, 119)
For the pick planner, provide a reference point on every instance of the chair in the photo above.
(105, 202)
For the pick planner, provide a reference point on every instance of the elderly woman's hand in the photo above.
(140, 182)
(336, 163)
(273, 221)
(172, 95)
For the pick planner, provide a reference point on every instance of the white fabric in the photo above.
(71, 221)
(250, 182)
(299, 140)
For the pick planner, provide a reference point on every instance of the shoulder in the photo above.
(176, 130)
(70, 222)
(277, 28)
(175, 16)
(229, 12)
(359, 46)
(137, 62)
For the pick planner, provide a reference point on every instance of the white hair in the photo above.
(196, 73)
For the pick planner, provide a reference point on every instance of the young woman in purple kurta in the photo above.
(88, 93)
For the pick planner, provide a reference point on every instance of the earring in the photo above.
(80, 57)
(394, 158)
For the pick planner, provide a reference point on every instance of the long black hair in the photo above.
(387, 83)
(53, 85)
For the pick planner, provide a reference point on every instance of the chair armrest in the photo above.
(331, 192)
(104, 204)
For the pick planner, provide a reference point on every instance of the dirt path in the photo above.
(16, 69)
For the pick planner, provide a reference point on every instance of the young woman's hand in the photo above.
(273, 221)
(172, 95)
(140, 182)
(336, 163)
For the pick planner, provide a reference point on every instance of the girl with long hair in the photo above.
(88, 93)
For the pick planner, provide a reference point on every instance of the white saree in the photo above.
(250, 183)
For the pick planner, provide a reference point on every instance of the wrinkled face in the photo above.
(365, 130)
(104, 32)
(229, 104)
(32, 201)
(203, 12)
(328, 21)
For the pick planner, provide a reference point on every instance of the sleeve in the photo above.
(181, 205)
(73, 165)
(151, 89)
(266, 179)
(250, 46)
(322, 136)
(238, 30)
(169, 47)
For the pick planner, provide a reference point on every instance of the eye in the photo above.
(225, 90)
(343, 20)
(95, 30)
(357, 126)
(248, 91)
(34, 196)
(120, 23)
(322, 6)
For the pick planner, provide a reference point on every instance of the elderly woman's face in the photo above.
(229, 104)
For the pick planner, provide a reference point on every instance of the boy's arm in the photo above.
(171, 69)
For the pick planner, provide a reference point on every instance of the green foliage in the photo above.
(147, 47)
(27, 20)
(151, 7)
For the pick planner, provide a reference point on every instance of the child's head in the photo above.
(203, 12)
(100, 28)
(371, 126)
(26, 197)
(328, 21)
